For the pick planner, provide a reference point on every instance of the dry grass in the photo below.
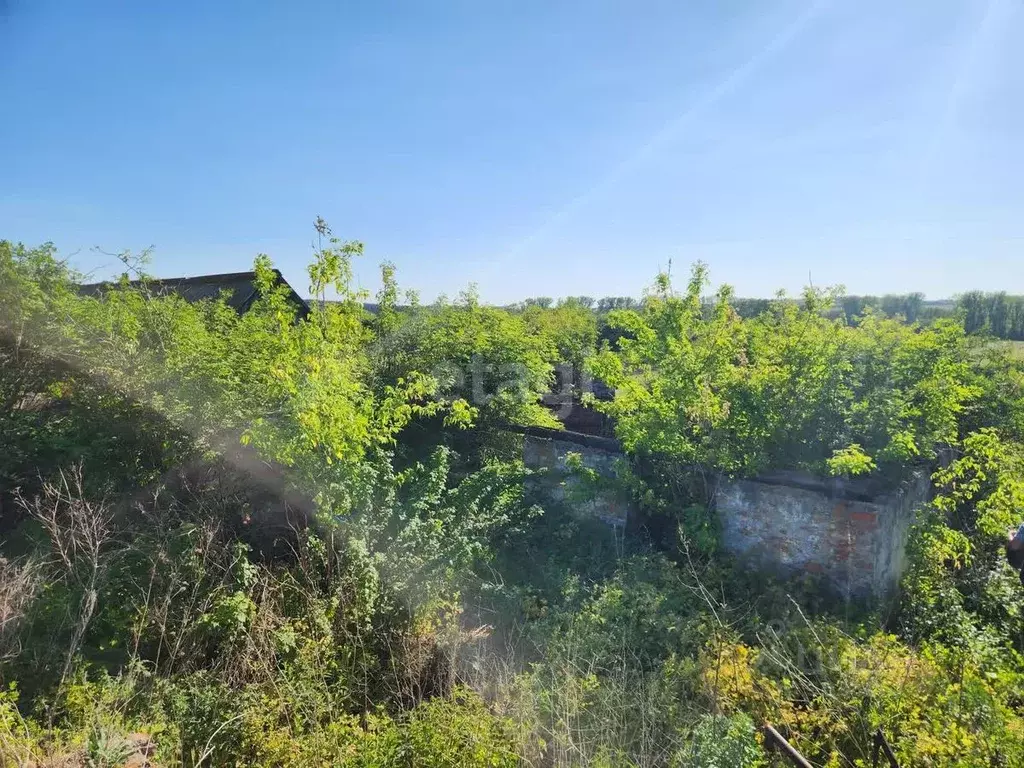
(19, 583)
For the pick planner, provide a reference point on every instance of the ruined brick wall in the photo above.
(548, 454)
(858, 545)
(851, 532)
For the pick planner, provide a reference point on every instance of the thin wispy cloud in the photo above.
(674, 128)
(546, 144)
(965, 79)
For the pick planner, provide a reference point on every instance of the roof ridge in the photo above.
(242, 285)
(221, 277)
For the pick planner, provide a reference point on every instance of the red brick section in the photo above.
(841, 512)
(849, 536)
(777, 544)
(864, 521)
(841, 548)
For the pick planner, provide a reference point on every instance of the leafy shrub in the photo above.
(722, 742)
(150, 594)
(789, 388)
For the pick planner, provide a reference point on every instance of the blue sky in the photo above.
(536, 148)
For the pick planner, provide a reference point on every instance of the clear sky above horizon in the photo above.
(535, 148)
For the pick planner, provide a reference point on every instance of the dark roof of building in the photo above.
(241, 287)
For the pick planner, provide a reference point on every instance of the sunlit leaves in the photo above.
(986, 481)
(790, 388)
(850, 461)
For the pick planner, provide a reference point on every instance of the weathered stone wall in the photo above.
(851, 532)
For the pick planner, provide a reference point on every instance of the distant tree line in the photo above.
(912, 307)
(600, 306)
(1000, 314)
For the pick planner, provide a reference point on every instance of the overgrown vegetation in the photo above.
(272, 539)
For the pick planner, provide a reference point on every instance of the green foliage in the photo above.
(831, 700)
(699, 527)
(270, 539)
(723, 742)
(459, 733)
(199, 723)
(789, 388)
(850, 461)
(107, 749)
(570, 327)
(959, 587)
(997, 314)
(486, 357)
(180, 593)
(984, 487)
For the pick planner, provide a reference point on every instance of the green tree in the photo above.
(790, 388)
